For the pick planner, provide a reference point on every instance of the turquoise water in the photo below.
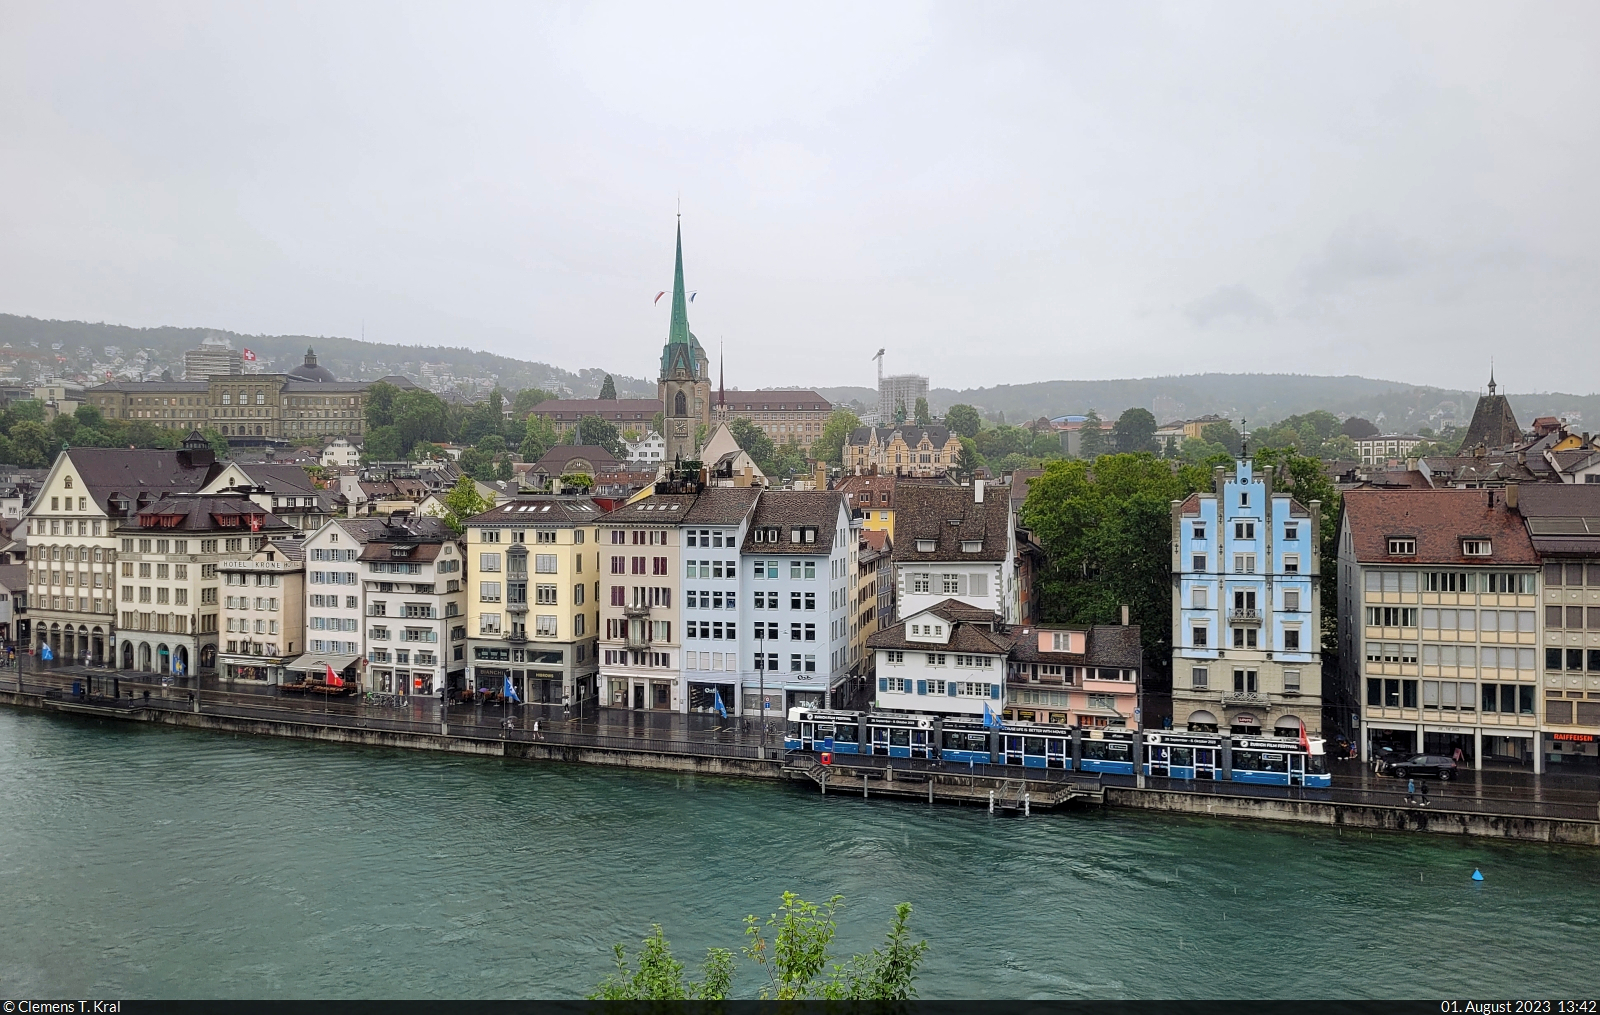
(143, 862)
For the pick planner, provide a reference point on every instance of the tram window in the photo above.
(794, 729)
(846, 733)
(1259, 761)
(899, 738)
(1105, 750)
(1033, 745)
(957, 741)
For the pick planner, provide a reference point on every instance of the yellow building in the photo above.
(901, 450)
(873, 496)
(533, 587)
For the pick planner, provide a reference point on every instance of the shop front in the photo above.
(1573, 752)
(705, 697)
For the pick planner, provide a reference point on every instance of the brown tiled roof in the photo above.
(1104, 645)
(783, 509)
(409, 528)
(205, 513)
(1020, 479)
(794, 400)
(949, 516)
(1438, 520)
(938, 436)
(556, 510)
(615, 409)
(722, 505)
(867, 491)
(556, 459)
(130, 473)
(1563, 519)
(418, 551)
(660, 509)
(971, 630)
(877, 539)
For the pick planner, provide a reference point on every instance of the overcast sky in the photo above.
(996, 194)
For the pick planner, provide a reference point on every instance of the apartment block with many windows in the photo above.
(414, 586)
(1439, 624)
(263, 611)
(1246, 608)
(532, 599)
(641, 555)
(717, 647)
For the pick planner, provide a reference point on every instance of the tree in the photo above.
(1091, 438)
(539, 436)
(383, 444)
(1046, 444)
(464, 502)
(1106, 531)
(922, 415)
(1135, 431)
(608, 390)
(1356, 428)
(595, 431)
(380, 405)
(830, 446)
(478, 464)
(967, 461)
(1223, 433)
(89, 416)
(493, 444)
(219, 443)
(754, 440)
(482, 419)
(1000, 441)
(963, 420)
(502, 470)
(789, 459)
(659, 977)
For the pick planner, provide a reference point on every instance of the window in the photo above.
(488, 561)
(1291, 563)
(1197, 598)
(1244, 681)
(546, 626)
(1199, 678)
(1291, 532)
(545, 595)
(1291, 681)
(895, 657)
(1199, 530)
(1402, 547)
(1199, 637)
(1475, 548)
(1244, 563)
(489, 623)
(489, 592)
(1199, 563)
(1244, 530)
(921, 583)
(1291, 600)
(1291, 639)
(1244, 637)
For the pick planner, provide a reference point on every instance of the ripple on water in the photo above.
(163, 863)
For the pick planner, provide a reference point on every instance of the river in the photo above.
(138, 861)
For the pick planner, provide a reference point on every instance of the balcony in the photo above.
(1242, 699)
(636, 610)
(1245, 617)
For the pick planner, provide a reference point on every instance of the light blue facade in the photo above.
(1246, 603)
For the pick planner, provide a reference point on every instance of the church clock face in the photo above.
(680, 428)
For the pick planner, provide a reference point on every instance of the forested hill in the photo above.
(1258, 398)
(82, 345)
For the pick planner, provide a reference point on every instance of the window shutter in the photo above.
(994, 690)
(961, 585)
(883, 683)
(951, 686)
(922, 687)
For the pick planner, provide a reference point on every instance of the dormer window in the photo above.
(925, 546)
(1475, 548)
(972, 546)
(1402, 547)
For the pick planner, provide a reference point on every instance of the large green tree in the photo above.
(1091, 438)
(1106, 529)
(527, 398)
(539, 436)
(463, 502)
(754, 440)
(596, 431)
(1135, 431)
(921, 413)
(963, 420)
(608, 390)
(830, 446)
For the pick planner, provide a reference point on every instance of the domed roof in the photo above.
(309, 371)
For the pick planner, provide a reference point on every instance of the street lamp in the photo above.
(761, 671)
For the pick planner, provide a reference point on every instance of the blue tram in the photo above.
(964, 740)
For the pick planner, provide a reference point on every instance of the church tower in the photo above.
(684, 385)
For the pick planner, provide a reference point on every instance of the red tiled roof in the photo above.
(1438, 520)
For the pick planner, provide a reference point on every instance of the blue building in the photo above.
(1246, 608)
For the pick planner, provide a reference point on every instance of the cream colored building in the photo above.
(532, 599)
(263, 611)
(641, 556)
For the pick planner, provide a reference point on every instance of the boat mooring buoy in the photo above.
(1477, 875)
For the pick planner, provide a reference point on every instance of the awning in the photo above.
(315, 661)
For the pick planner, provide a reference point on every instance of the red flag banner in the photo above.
(333, 679)
(658, 297)
(248, 356)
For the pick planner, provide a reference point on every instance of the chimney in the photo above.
(977, 491)
(1124, 614)
(1511, 496)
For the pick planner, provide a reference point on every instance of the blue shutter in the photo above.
(922, 687)
(994, 690)
(883, 683)
(952, 687)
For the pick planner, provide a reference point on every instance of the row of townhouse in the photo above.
(1470, 620)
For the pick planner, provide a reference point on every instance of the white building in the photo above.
(716, 659)
(953, 543)
(340, 454)
(651, 449)
(799, 554)
(947, 659)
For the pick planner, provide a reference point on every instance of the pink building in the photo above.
(1072, 674)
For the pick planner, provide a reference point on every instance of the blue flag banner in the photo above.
(717, 705)
(45, 653)
(511, 692)
(990, 720)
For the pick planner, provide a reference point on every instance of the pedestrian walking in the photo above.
(1411, 791)
(1424, 794)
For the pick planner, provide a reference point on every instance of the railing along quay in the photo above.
(697, 736)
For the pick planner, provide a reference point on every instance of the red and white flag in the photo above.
(658, 297)
(1305, 743)
(249, 357)
(333, 679)
(255, 523)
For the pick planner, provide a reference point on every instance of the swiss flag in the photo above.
(1305, 743)
(255, 523)
(333, 679)
(249, 357)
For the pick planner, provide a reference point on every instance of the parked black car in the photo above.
(1423, 764)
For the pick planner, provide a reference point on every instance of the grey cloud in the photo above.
(1357, 254)
(1230, 302)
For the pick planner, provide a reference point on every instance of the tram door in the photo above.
(880, 740)
(1013, 750)
(1205, 762)
(1297, 769)
(1160, 761)
(919, 744)
(1056, 753)
(808, 733)
(1182, 762)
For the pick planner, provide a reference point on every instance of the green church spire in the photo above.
(678, 333)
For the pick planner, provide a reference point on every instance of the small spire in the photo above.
(1491, 375)
(722, 391)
